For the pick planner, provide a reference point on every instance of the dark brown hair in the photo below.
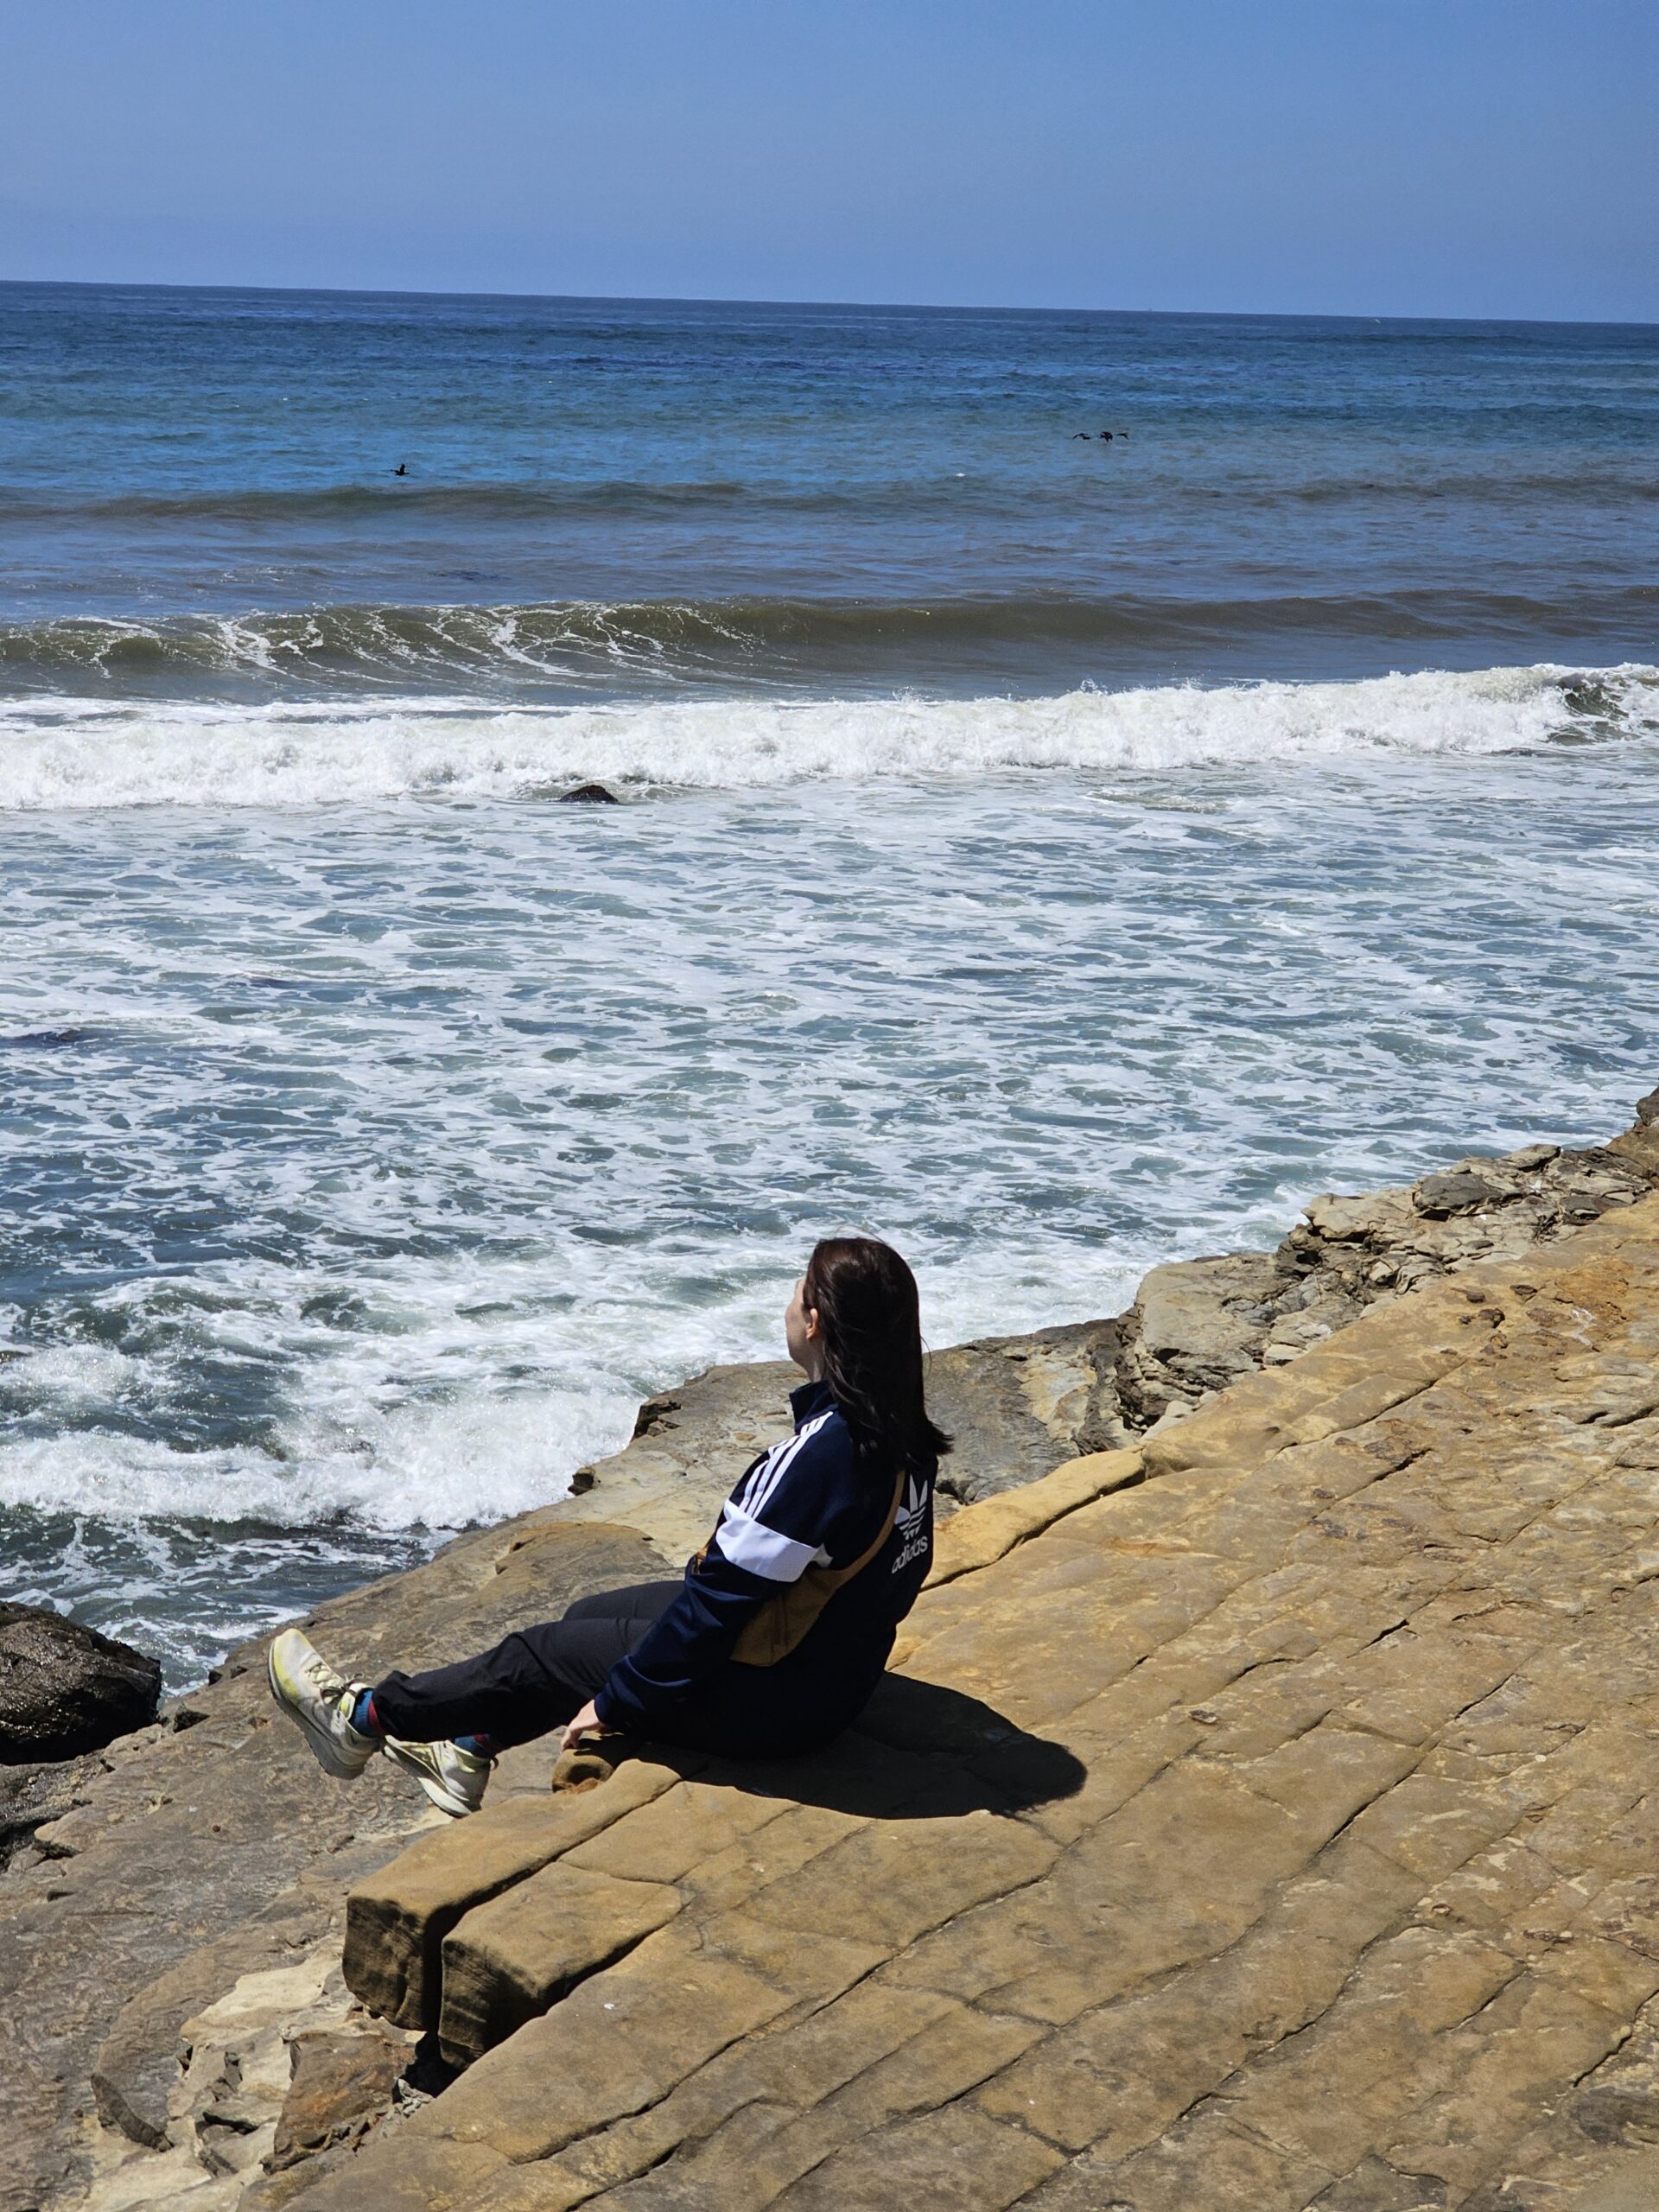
(872, 1333)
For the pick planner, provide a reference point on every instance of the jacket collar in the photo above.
(811, 1398)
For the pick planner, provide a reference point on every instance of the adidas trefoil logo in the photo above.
(908, 1523)
(915, 1505)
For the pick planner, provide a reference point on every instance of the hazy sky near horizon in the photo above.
(1436, 157)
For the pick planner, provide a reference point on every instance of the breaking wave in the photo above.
(64, 752)
(789, 642)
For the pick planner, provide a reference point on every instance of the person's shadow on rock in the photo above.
(918, 1751)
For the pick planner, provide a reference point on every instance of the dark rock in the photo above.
(1647, 1110)
(589, 795)
(32, 1796)
(65, 1689)
(1450, 1192)
(42, 1040)
(343, 2081)
(653, 1414)
(1017, 1406)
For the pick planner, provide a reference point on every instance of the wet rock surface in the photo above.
(65, 1689)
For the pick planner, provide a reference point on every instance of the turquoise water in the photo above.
(1056, 855)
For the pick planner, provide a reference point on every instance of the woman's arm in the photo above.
(682, 1645)
(773, 1527)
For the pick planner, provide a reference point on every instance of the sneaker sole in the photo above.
(324, 1750)
(441, 1796)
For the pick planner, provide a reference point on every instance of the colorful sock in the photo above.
(365, 1719)
(479, 1746)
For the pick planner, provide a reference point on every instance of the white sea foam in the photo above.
(449, 1418)
(58, 753)
(422, 1466)
(376, 1162)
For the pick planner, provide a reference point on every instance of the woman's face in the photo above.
(801, 1329)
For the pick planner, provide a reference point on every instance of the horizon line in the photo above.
(870, 307)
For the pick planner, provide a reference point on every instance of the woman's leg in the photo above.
(533, 1680)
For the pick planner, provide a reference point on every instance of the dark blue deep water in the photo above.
(841, 495)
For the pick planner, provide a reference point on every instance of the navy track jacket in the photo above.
(806, 1502)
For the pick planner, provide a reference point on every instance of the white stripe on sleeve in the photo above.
(778, 1465)
(751, 1484)
(748, 1543)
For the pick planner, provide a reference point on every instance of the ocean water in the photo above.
(1056, 855)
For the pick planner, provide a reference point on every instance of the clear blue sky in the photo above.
(1482, 157)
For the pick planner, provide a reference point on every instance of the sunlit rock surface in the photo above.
(1260, 1812)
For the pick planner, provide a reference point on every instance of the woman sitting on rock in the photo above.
(779, 1630)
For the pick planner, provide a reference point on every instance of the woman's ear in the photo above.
(813, 1331)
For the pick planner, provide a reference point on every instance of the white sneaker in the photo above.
(309, 1691)
(455, 1780)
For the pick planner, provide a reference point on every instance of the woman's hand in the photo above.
(587, 1723)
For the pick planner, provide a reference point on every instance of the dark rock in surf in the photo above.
(589, 795)
(65, 1689)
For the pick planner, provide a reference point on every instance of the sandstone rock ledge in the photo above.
(1267, 1817)
(1138, 1698)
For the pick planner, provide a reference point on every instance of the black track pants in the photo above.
(532, 1680)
